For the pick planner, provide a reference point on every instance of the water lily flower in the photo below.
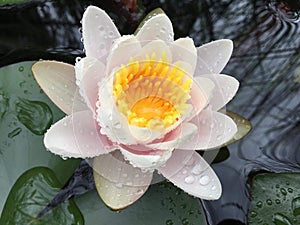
(139, 103)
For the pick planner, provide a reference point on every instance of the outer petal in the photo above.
(148, 161)
(89, 71)
(118, 183)
(225, 89)
(214, 129)
(157, 27)
(77, 136)
(122, 49)
(184, 50)
(98, 32)
(57, 80)
(190, 172)
(200, 93)
(213, 56)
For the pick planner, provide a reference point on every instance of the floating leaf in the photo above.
(162, 204)
(5, 2)
(31, 193)
(25, 114)
(275, 198)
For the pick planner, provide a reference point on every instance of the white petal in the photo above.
(181, 134)
(147, 162)
(89, 71)
(58, 81)
(184, 50)
(190, 172)
(200, 94)
(157, 27)
(225, 89)
(114, 127)
(77, 136)
(118, 183)
(98, 31)
(157, 47)
(213, 56)
(121, 51)
(214, 129)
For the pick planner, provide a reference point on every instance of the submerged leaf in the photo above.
(148, 16)
(274, 198)
(30, 194)
(244, 126)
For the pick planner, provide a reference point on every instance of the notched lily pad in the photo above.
(31, 193)
(276, 198)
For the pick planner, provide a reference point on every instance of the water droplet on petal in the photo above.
(119, 185)
(204, 180)
(213, 188)
(189, 179)
(196, 169)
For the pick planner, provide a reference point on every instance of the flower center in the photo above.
(151, 93)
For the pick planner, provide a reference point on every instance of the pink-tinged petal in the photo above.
(89, 71)
(118, 183)
(225, 89)
(214, 129)
(149, 160)
(98, 31)
(190, 172)
(184, 50)
(77, 136)
(58, 81)
(213, 56)
(181, 134)
(157, 27)
(121, 51)
(199, 95)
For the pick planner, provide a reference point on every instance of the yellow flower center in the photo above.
(151, 93)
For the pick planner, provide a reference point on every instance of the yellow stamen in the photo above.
(151, 93)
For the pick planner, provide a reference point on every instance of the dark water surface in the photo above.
(266, 60)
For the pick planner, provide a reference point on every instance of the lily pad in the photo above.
(161, 204)
(25, 115)
(275, 198)
(5, 2)
(31, 193)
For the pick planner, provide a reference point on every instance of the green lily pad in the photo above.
(25, 115)
(5, 2)
(161, 204)
(276, 199)
(31, 193)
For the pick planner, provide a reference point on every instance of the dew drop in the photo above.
(189, 161)
(253, 214)
(213, 188)
(290, 190)
(283, 191)
(204, 180)
(277, 201)
(269, 202)
(259, 204)
(184, 172)
(189, 179)
(196, 169)
(21, 68)
(101, 28)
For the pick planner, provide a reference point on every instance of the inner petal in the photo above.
(152, 93)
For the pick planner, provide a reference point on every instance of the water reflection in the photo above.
(266, 60)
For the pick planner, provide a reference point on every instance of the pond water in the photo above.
(266, 61)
